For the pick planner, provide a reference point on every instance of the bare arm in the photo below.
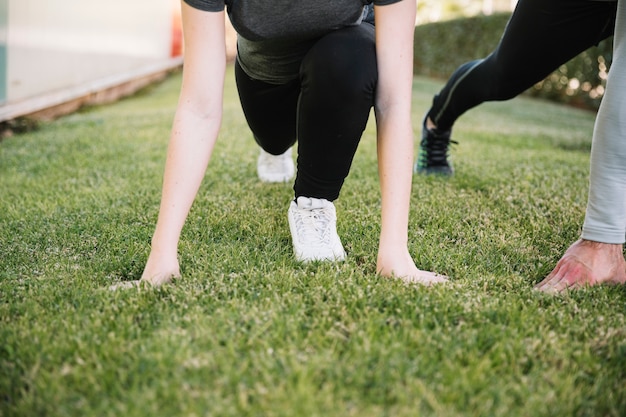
(194, 132)
(395, 25)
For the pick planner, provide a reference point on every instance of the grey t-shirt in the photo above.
(274, 35)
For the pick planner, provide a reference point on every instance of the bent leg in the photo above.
(338, 77)
(540, 36)
(270, 110)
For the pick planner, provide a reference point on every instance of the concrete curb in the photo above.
(51, 105)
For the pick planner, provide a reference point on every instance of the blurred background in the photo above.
(438, 10)
(57, 55)
(56, 51)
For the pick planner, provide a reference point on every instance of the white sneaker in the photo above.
(275, 168)
(313, 225)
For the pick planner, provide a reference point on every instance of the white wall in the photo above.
(56, 44)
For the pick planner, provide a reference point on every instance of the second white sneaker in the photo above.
(313, 225)
(275, 168)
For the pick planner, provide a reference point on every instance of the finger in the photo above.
(572, 275)
(558, 286)
(161, 279)
(552, 278)
(425, 278)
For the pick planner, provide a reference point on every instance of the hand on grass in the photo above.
(399, 264)
(160, 269)
(586, 263)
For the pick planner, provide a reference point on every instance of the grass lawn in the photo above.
(250, 332)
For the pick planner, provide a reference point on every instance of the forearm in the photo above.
(191, 143)
(395, 156)
(194, 132)
(394, 33)
(395, 159)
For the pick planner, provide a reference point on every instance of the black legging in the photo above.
(326, 109)
(540, 36)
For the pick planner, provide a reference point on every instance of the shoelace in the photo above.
(314, 226)
(436, 146)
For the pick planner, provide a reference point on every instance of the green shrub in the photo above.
(441, 47)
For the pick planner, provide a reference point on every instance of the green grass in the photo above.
(250, 332)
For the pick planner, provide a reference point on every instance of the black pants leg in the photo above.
(540, 36)
(326, 109)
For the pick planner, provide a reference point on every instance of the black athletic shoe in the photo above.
(432, 156)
